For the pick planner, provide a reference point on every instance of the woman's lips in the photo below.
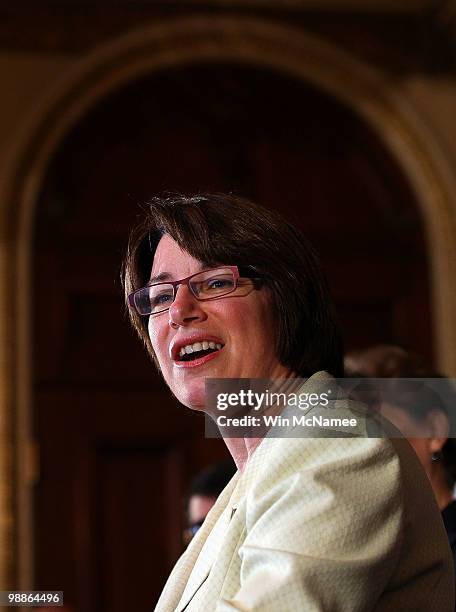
(198, 361)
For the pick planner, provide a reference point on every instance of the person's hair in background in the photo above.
(203, 491)
(220, 229)
(384, 361)
(414, 406)
(427, 418)
(411, 404)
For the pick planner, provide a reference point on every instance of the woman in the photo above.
(221, 288)
(420, 412)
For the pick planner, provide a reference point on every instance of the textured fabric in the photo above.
(319, 524)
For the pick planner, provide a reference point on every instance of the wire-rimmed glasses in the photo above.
(210, 284)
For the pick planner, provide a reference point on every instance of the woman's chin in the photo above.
(193, 396)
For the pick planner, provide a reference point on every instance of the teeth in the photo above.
(199, 346)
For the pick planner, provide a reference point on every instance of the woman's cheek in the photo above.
(158, 341)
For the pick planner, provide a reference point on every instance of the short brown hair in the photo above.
(413, 396)
(384, 361)
(225, 229)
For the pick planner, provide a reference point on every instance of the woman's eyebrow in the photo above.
(160, 277)
(164, 276)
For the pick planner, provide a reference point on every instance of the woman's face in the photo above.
(416, 433)
(241, 323)
(426, 436)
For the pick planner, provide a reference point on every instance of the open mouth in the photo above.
(197, 350)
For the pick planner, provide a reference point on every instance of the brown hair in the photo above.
(384, 361)
(224, 229)
(414, 396)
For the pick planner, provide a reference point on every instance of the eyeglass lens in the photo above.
(204, 286)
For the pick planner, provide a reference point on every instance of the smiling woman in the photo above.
(235, 326)
(219, 287)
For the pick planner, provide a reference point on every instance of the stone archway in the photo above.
(175, 43)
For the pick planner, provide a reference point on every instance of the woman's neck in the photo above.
(242, 449)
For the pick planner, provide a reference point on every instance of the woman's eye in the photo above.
(219, 283)
(161, 299)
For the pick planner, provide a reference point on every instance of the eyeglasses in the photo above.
(209, 284)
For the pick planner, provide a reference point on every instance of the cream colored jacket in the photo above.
(319, 524)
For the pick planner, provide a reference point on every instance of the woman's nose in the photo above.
(186, 308)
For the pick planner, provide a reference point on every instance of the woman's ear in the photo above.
(439, 429)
